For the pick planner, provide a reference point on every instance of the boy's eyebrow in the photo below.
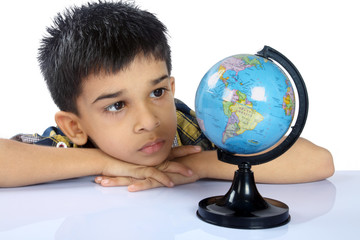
(159, 80)
(108, 95)
(119, 93)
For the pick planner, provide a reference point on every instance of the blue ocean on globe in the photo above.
(245, 104)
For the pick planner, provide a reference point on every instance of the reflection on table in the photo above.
(80, 209)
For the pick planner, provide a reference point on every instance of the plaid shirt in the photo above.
(188, 133)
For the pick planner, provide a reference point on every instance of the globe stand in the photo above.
(243, 206)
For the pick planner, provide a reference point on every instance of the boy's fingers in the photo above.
(184, 151)
(175, 167)
(114, 181)
(139, 173)
(153, 173)
(134, 185)
(140, 185)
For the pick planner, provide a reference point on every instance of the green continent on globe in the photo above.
(242, 118)
(239, 110)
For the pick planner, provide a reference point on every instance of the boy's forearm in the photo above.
(24, 164)
(206, 165)
(304, 162)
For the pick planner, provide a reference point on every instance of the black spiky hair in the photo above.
(93, 37)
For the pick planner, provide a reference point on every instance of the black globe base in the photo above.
(276, 214)
(242, 206)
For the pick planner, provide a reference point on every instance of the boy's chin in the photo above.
(156, 161)
(149, 161)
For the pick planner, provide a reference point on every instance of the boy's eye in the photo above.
(115, 107)
(157, 93)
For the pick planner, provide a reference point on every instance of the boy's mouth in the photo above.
(152, 147)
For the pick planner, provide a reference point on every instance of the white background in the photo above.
(320, 37)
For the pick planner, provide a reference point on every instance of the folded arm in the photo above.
(304, 162)
(26, 164)
(23, 164)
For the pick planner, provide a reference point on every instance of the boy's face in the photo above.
(131, 114)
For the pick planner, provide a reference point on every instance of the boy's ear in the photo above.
(172, 84)
(70, 125)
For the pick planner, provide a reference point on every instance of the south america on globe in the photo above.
(245, 104)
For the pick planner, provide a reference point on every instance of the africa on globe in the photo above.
(245, 104)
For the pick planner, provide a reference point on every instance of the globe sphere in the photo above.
(245, 104)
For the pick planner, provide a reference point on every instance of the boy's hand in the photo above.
(138, 177)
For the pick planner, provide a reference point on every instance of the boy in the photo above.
(107, 66)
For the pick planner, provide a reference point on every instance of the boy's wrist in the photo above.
(199, 163)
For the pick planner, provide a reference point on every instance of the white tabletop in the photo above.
(80, 209)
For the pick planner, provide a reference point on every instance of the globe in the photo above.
(245, 104)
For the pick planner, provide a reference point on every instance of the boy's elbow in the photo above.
(326, 166)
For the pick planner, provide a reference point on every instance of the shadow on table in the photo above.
(88, 211)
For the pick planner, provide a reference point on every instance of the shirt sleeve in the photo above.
(52, 136)
(188, 130)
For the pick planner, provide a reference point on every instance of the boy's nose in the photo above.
(146, 120)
